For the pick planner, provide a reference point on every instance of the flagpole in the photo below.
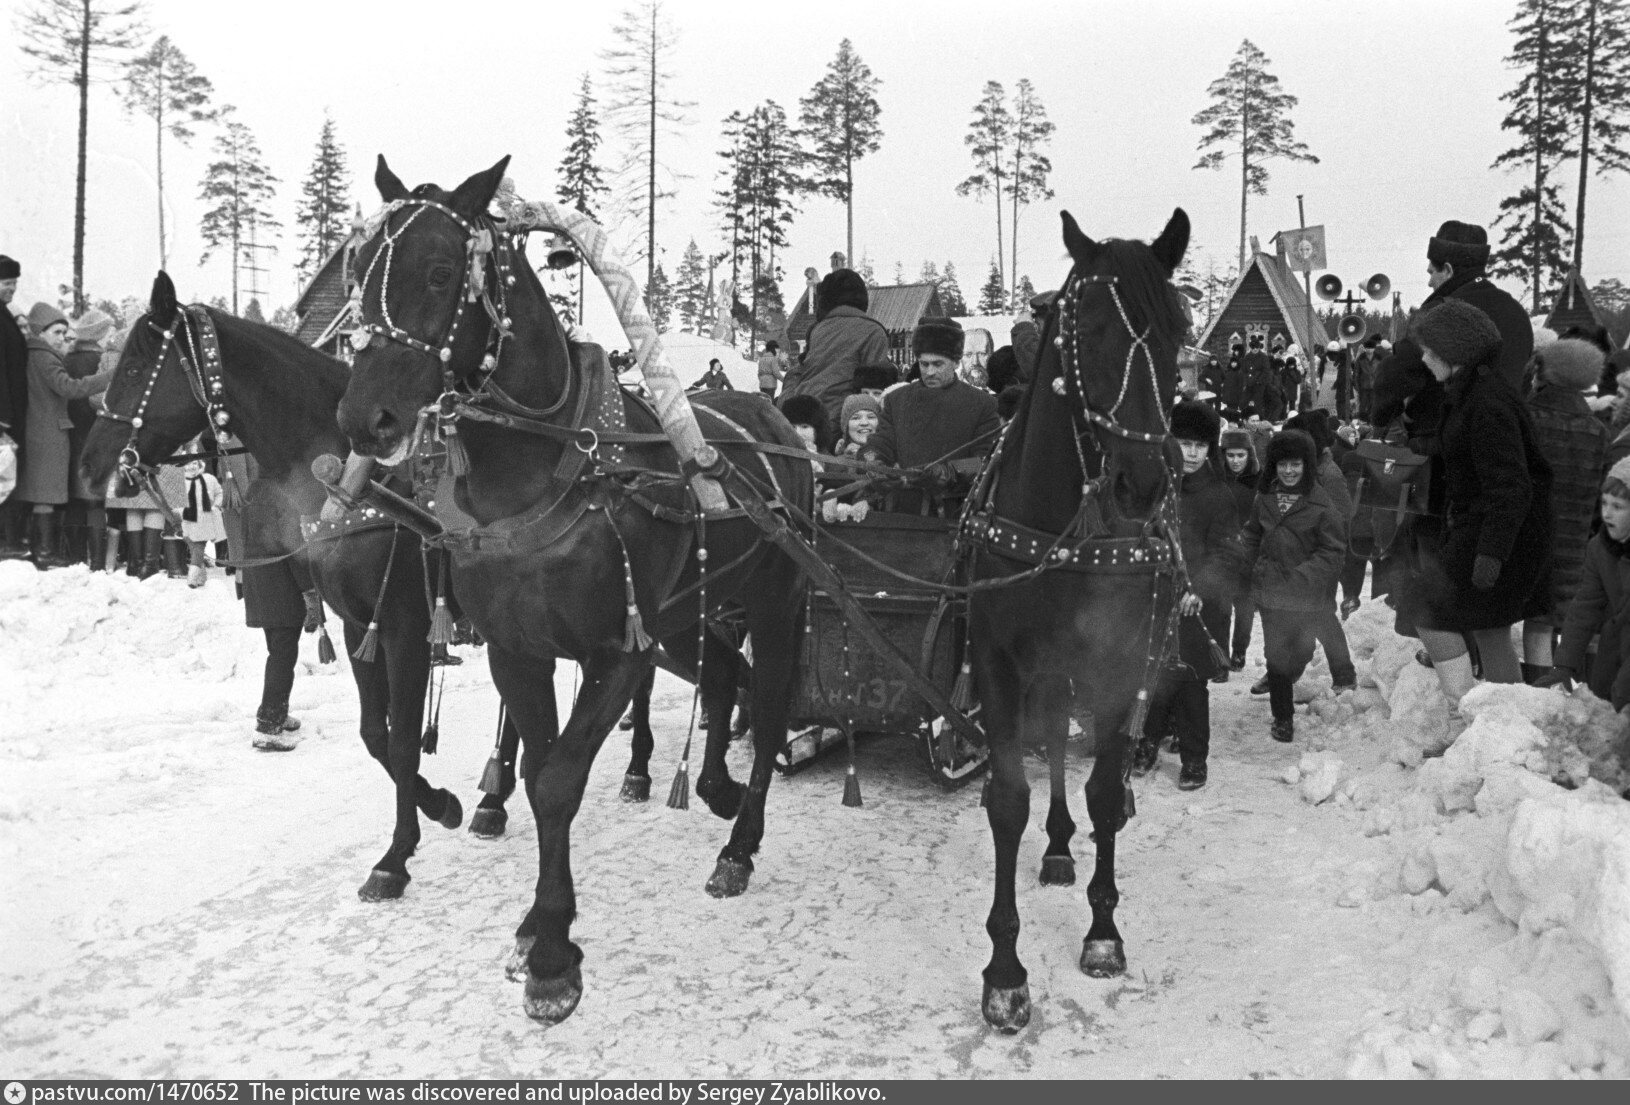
(1307, 290)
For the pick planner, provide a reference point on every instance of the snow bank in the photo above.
(1512, 835)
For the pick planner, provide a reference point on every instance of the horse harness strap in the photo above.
(1140, 555)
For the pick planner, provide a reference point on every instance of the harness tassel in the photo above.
(231, 495)
(441, 623)
(962, 690)
(325, 647)
(679, 793)
(635, 639)
(851, 782)
(492, 776)
(458, 460)
(369, 646)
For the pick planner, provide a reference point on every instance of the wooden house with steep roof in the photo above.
(1574, 306)
(324, 306)
(1266, 300)
(899, 307)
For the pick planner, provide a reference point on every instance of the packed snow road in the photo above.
(173, 903)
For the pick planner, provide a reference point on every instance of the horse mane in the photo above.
(1145, 287)
(284, 348)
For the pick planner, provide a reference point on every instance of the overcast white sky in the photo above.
(1399, 100)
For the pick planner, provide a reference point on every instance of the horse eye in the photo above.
(440, 275)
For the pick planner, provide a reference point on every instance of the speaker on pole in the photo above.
(1351, 328)
(1377, 286)
(1328, 286)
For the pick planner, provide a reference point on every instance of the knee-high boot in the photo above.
(152, 553)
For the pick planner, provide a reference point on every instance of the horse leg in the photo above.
(373, 699)
(773, 622)
(1102, 953)
(637, 779)
(554, 983)
(546, 726)
(490, 817)
(1053, 712)
(1006, 1000)
(713, 783)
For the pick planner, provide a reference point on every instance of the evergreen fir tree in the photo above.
(1023, 293)
(1028, 182)
(840, 120)
(581, 185)
(690, 291)
(1532, 247)
(987, 140)
(79, 42)
(323, 214)
(993, 296)
(769, 307)
(253, 312)
(1250, 116)
(659, 299)
(899, 273)
(757, 202)
(951, 297)
(163, 85)
(285, 319)
(239, 188)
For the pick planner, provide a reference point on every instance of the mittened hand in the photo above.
(1485, 572)
(314, 611)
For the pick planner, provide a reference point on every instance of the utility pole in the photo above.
(1307, 288)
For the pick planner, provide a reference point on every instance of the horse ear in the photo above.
(389, 184)
(1173, 241)
(1081, 247)
(474, 194)
(163, 303)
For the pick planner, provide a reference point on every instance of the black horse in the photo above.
(1097, 615)
(581, 547)
(281, 396)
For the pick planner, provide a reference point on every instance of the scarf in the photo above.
(198, 501)
(1285, 499)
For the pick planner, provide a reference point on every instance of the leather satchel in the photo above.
(1395, 481)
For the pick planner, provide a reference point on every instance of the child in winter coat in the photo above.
(1294, 544)
(1241, 474)
(201, 519)
(861, 416)
(1601, 606)
(1209, 530)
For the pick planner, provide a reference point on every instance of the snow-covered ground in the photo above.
(173, 903)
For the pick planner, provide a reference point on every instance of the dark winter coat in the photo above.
(44, 476)
(272, 592)
(1575, 443)
(1262, 391)
(1600, 606)
(1233, 388)
(1211, 379)
(838, 344)
(921, 425)
(13, 377)
(84, 359)
(1497, 499)
(1294, 558)
(1208, 532)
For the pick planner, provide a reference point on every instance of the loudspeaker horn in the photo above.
(1377, 286)
(1351, 328)
(1328, 286)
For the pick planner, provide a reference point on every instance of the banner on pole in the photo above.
(1302, 249)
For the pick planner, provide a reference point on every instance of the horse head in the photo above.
(426, 320)
(149, 409)
(1116, 330)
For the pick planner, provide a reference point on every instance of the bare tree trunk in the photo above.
(996, 161)
(163, 250)
(849, 207)
(1539, 158)
(85, 28)
(1584, 142)
(651, 179)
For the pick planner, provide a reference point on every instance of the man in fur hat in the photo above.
(13, 404)
(937, 418)
(843, 338)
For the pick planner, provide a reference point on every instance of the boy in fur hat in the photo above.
(1293, 543)
(1208, 531)
(808, 417)
(1241, 474)
(937, 418)
(1332, 638)
(1601, 606)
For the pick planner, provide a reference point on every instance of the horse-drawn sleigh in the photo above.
(600, 527)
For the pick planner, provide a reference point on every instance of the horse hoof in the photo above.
(636, 788)
(515, 968)
(1057, 871)
(383, 886)
(729, 879)
(1103, 958)
(487, 823)
(452, 815)
(724, 799)
(1007, 1010)
(551, 1000)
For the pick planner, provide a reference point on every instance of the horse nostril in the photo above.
(384, 425)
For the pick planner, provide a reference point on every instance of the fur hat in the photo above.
(1002, 368)
(1290, 445)
(938, 335)
(9, 269)
(1458, 332)
(1193, 420)
(1618, 480)
(1316, 425)
(853, 404)
(93, 325)
(1571, 363)
(1463, 245)
(841, 288)
(804, 410)
(877, 376)
(43, 316)
(1543, 336)
(1007, 403)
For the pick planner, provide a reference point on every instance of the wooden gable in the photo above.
(1574, 306)
(324, 304)
(1265, 300)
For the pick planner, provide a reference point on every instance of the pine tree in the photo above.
(951, 293)
(993, 296)
(1249, 112)
(659, 299)
(770, 310)
(690, 290)
(757, 202)
(865, 270)
(1596, 89)
(79, 42)
(239, 188)
(899, 273)
(163, 85)
(581, 185)
(840, 120)
(987, 139)
(1031, 131)
(253, 312)
(323, 214)
(1532, 247)
(641, 109)
(1023, 293)
(285, 319)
